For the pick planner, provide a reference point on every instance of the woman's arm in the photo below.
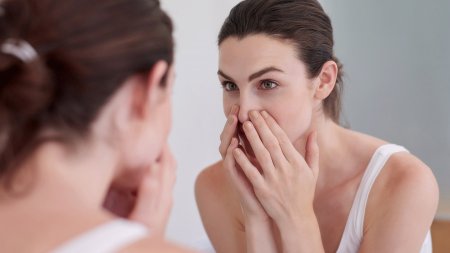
(259, 236)
(217, 211)
(233, 217)
(223, 219)
(258, 228)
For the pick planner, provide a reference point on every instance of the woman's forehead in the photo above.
(256, 46)
(256, 52)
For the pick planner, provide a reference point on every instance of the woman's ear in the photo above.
(143, 116)
(158, 82)
(326, 80)
(154, 90)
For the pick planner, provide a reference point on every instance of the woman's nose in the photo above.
(246, 105)
(243, 114)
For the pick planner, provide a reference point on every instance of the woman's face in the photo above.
(144, 139)
(259, 73)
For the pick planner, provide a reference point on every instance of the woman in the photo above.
(85, 105)
(292, 179)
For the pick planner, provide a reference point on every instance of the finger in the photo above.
(287, 148)
(312, 153)
(235, 174)
(154, 194)
(169, 166)
(269, 140)
(228, 159)
(241, 184)
(168, 182)
(234, 109)
(261, 153)
(229, 162)
(163, 201)
(251, 172)
(147, 199)
(167, 178)
(228, 131)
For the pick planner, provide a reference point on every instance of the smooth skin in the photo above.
(295, 193)
(124, 165)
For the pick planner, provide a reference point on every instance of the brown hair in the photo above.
(85, 51)
(302, 22)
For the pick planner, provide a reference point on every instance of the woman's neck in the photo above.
(344, 154)
(54, 174)
(338, 151)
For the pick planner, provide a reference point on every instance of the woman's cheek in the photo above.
(297, 124)
(227, 104)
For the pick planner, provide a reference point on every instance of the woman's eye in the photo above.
(268, 85)
(229, 86)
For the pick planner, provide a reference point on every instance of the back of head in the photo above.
(60, 62)
(303, 23)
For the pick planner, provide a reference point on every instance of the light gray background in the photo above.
(396, 59)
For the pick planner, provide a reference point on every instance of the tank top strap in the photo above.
(106, 238)
(353, 232)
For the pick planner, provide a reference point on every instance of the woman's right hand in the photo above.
(250, 205)
(258, 225)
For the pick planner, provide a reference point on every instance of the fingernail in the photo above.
(230, 120)
(265, 114)
(234, 109)
(254, 115)
(233, 141)
(248, 125)
(231, 110)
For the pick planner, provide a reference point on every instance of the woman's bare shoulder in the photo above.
(215, 193)
(401, 205)
(220, 209)
(155, 245)
(406, 186)
(404, 171)
(213, 179)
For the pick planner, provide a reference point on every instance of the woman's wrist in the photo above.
(300, 233)
(253, 225)
(295, 219)
(259, 236)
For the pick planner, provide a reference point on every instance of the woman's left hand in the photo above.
(150, 204)
(286, 182)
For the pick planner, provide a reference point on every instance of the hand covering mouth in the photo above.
(245, 144)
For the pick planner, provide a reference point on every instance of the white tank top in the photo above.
(107, 238)
(353, 232)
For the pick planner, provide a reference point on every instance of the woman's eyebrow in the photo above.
(262, 72)
(252, 76)
(220, 73)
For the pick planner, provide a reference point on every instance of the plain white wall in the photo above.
(396, 60)
(197, 117)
